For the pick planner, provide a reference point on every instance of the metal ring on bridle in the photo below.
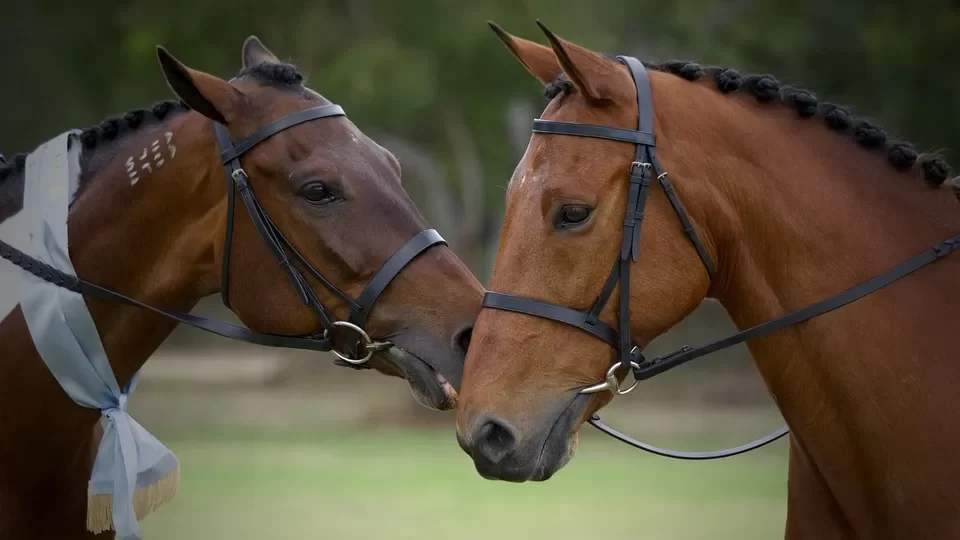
(611, 383)
(368, 344)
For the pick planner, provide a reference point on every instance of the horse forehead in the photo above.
(335, 139)
(558, 166)
(532, 172)
(528, 178)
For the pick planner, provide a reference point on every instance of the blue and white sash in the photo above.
(133, 473)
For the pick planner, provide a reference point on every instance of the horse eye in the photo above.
(572, 215)
(317, 193)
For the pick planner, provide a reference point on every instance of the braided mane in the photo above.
(112, 129)
(766, 89)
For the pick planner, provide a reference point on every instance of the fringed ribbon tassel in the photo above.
(145, 501)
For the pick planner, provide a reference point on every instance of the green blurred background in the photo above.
(278, 444)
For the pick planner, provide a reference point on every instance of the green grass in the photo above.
(419, 485)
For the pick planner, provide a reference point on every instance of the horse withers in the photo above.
(787, 202)
(149, 222)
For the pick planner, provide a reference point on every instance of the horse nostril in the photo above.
(463, 339)
(493, 441)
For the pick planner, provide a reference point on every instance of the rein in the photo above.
(643, 170)
(282, 250)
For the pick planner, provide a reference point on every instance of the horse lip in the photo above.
(406, 362)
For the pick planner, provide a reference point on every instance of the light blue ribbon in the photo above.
(68, 342)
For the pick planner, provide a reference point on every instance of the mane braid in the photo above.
(285, 75)
(111, 129)
(767, 89)
(12, 171)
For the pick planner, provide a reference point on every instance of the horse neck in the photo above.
(799, 214)
(144, 225)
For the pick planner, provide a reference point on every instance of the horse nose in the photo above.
(461, 340)
(491, 441)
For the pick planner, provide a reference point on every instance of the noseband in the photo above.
(281, 249)
(643, 170)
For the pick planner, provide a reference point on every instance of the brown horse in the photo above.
(795, 201)
(334, 193)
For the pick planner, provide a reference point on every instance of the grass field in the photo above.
(419, 485)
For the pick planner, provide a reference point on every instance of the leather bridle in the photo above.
(644, 169)
(281, 249)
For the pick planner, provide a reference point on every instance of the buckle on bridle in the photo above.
(369, 346)
(240, 177)
(611, 383)
(640, 165)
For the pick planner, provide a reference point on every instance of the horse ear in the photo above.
(255, 53)
(538, 59)
(210, 96)
(586, 69)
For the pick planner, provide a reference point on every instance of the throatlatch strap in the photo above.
(685, 222)
(223, 141)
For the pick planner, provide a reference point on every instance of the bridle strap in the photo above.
(421, 242)
(692, 456)
(344, 297)
(685, 222)
(73, 283)
(644, 97)
(231, 167)
(232, 152)
(553, 127)
(228, 234)
(649, 368)
(529, 306)
(230, 157)
(304, 292)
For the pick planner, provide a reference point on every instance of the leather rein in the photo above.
(644, 169)
(282, 250)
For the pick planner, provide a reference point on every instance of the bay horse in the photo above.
(788, 201)
(154, 232)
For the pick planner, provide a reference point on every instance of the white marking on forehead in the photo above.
(529, 177)
(355, 139)
(521, 179)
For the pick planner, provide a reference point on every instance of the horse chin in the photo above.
(561, 442)
(549, 464)
(428, 387)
